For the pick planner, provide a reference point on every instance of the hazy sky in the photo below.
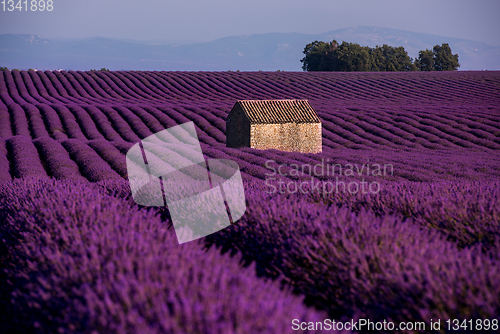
(206, 20)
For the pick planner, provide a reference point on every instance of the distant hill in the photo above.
(267, 52)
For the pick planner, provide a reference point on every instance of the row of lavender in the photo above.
(343, 127)
(409, 254)
(447, 207)
(77, 260)
(124, 125)
(99, 159)
(160, 87)
(473, 124)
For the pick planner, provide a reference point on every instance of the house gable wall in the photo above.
(237, 128)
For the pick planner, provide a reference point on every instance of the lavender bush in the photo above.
(53, 123)
(20, 125)
(69, 122)
(84, 262)
(36, 123)
(382, 266)
(4, 162)
(92, 166)
(25, 159)
(85, 122)
(5, 129)
(57, 160)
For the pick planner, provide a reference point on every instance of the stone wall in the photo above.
(291, 137)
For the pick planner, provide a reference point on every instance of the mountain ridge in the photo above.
(268, 52)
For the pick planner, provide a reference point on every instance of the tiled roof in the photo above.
(278, 111)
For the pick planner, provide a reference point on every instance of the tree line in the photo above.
(332, 56)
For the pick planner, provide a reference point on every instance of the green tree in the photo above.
(444, 60)
(2, 68)
(319, 56)
(352, 57)
(439, 58)
(388, 58)
(425, 60)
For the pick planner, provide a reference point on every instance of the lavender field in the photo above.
(79, 256)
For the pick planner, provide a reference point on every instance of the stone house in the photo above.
(286, 125)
